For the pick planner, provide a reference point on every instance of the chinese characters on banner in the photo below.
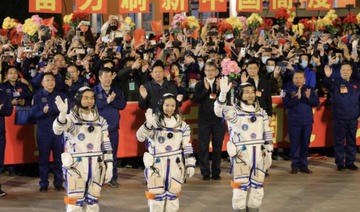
(45, 6)
(213, 5)
(281, 4)
(134, 6)
(173, 6)
(249, 6)
(91, 6)
(319, 4)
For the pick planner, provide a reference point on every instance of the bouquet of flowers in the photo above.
(230, 69)
(9, 23)
(266, 25)
(177, 20)
(254, 22)
(236, 24)
(73, 19)
(349, 22)
(330, 22)
(282, 17)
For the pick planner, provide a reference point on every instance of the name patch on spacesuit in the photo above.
(161, 139)
(81, 136)
(244, 127)
(90, 146)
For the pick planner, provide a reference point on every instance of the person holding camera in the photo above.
(73, 82)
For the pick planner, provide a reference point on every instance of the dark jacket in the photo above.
(19, 91)
(263, 92)
(5, 110)
(299, 111)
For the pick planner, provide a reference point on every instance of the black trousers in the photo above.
(217, 131)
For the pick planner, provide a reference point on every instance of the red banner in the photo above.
(249, 5)
(21, 144)
(319, 4)
(174, 6)
(92, 6)
(45, 6)
(281, 4)
(133, 6)
(212, 5)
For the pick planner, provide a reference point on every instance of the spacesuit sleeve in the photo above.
(105, 140)
(223, 111)
(188, 149)
(267, 131)
(143, 133)
(60, 127)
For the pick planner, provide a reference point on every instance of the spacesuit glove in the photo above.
(148, 160)
(150, 118)
(225, 86)
(109, 172)
(190, 166)
(231, 149)
(190, 171)
(222, 97)
(62, 106)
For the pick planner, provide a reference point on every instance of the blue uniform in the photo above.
(345, 99)
(36, 82)
(310, 76)
(46, 139)
(71, 91)
(19, 91)
(300, 120)
(111, 114)
(5, 110)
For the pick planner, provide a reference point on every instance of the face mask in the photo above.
(201, 65)
(113, 27)
(264, 59)
(297, 57)
(304, 64)
(32, 72)
(192, 86)
(270, 69)
(313, 63)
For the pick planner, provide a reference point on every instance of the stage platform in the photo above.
(326, 190)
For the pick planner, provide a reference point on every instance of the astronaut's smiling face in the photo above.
(169, 107)
(88, 100)
(248, 95)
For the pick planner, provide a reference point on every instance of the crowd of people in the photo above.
(300, 62)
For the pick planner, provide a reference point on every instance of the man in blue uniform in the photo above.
(17, 92)
(45, 112)
(109, 100)
(345, 99)
(5, 110)
(299, 100)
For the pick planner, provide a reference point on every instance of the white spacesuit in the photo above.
(168, 145)
(249, 148)
(87, 160)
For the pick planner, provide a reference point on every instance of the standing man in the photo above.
(299, 100)
(5, 110)
(345, 100)
(109, 100)
(73, 82)
(45, 112)
(205, 94)
(152, 91)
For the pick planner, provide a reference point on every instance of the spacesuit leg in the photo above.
(75, 188)
(94, 187)
(256, 191)
(240, 183)
(172, 205)
(156, 205)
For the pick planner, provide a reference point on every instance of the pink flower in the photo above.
(243, 21)
(229, 67)
(37, 20)
(19, 28)
(177, 19)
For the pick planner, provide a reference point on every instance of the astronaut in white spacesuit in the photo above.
(168, 138)
(87, 160)
(250, 146)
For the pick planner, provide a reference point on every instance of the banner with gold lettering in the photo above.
(249, 6)
(212, 5)
(174, 6)
(281, 4)
(91, 6)
(319, 4)
(45, 6)
(134, 6)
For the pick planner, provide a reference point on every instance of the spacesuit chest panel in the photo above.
(164, 141)
(247, 129)
(84, 137)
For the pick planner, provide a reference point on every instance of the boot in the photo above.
(252, 210)
(240, 210)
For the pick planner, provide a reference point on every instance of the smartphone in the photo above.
(262, 32)
(242, 52)
(80, 51)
